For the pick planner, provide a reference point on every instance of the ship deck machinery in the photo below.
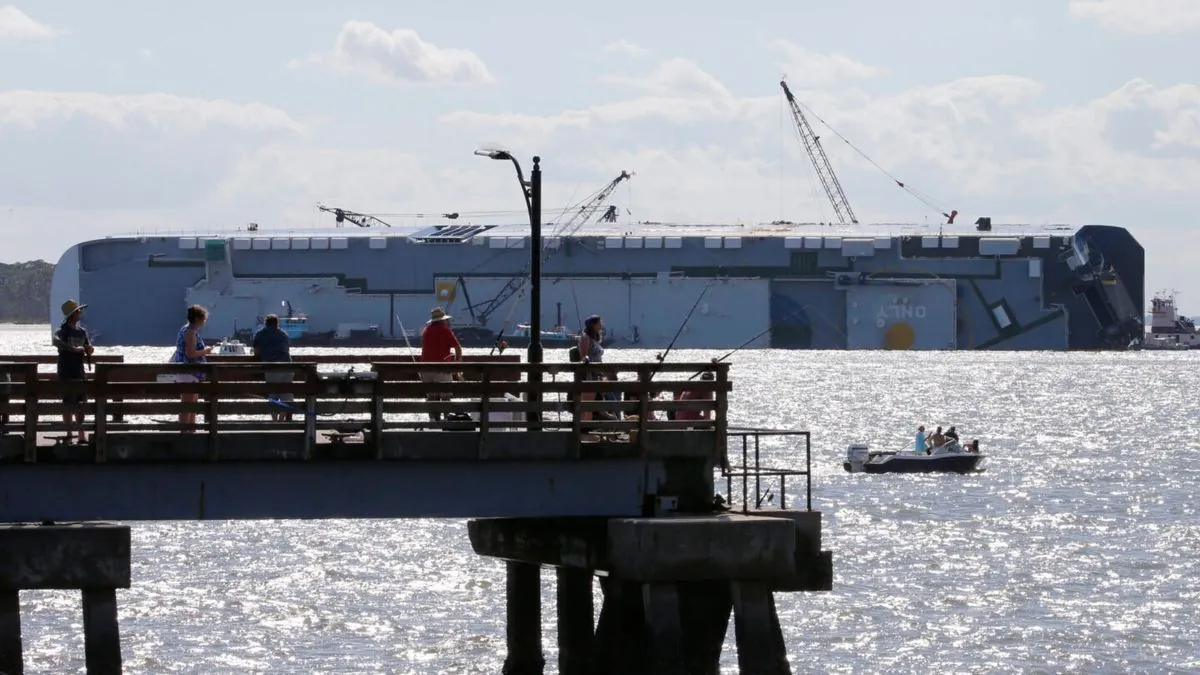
(809, 286)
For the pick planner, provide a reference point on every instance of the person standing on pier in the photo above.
(272, 345)
(190, 348)
(591, 351)
(74, 346)
(438, 345)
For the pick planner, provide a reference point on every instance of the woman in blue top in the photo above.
(190, 348)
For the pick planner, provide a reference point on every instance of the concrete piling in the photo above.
(11, 657)
(93, 558)
(670, 585)
(524, 617)
(576, 630)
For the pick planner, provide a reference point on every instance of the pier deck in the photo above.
(359, 445)
(628, 499)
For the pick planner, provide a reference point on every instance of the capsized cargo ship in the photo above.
(795, 286)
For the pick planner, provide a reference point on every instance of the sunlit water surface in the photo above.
(1077, 551)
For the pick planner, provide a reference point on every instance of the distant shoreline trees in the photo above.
(25, 291)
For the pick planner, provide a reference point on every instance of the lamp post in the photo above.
(532, 192)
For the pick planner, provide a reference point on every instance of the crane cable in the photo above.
(920, 196)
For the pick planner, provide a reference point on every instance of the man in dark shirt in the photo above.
(74, 346)
(271, 345)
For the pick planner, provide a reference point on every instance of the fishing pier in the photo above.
(626, 501)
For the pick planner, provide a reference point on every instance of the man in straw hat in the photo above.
(74, 346)
(438, 344)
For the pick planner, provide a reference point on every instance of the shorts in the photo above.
(278, 377)
(437, 377)
(73, 399)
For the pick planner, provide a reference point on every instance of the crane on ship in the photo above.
(580, 216)
(359, 219)
(829, 180)
(812, 146)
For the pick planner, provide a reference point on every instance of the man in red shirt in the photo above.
(438, 344)
(692, 395)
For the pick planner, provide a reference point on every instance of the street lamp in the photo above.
(532, 192)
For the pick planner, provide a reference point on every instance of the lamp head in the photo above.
(494, 153)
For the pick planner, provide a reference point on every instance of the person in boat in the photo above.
(74, 346)
(937, 440)
(272, 345)
(952, 434)
(920, 445)
(190, 348)
(591, 351)
(973, 446)
(438, 345)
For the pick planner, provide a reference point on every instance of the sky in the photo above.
(146, 116)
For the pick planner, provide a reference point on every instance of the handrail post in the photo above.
(310, 409)
(100, 399)
(32, 396)
(210, 417)
(577, 413)
(808, 468)
(377, 418)
(645, 378)
(534, 398)
(485, 411)
(721, 415)
(119, 417)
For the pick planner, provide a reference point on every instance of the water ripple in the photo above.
(1074, 552)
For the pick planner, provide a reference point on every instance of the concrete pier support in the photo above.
(576, 629)
(91, 557)
(670, 585)
(524, 615)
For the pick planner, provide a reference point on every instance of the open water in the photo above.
(1077, 551)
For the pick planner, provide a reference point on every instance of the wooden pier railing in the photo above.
(487, 397)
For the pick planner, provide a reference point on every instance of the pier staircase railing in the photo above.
(755, 479)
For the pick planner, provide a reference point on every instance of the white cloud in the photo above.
(17, 25)
(806, 68)
(164, 111)
(675, 77)
(985, 143)
(397, 56)
(1140, 17)
(625, 48)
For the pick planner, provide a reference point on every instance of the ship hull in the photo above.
(792, 288)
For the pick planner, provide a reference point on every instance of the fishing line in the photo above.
(738, 348)
(662, 358)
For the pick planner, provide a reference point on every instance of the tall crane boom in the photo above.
(359, 219)
(812, 145)
(588, 208)
(578, 219)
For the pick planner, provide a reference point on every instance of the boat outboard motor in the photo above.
(857, 455)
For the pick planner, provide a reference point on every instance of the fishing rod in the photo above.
(662, 356)
(403, 332)
(500, 342)
(745, 344)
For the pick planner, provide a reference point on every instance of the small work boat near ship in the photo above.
(948, 458)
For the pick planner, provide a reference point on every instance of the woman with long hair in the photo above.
(190, 348)
(591, 351)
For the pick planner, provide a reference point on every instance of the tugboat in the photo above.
(1169, 330)
(948, 458)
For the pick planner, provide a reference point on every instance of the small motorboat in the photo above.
(948, 458)
(232, 347)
